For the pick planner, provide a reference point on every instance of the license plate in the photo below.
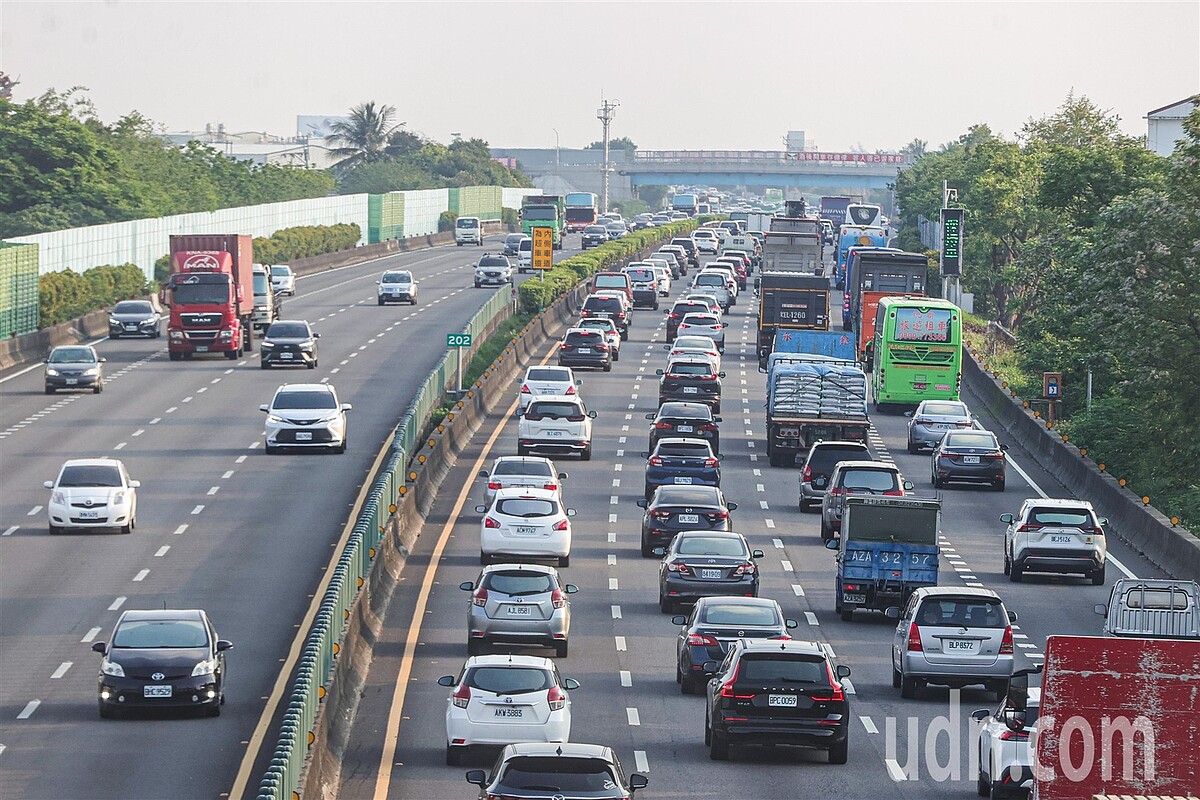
(781, 700)
(286, 355)
(554, 433)
(525, 530)
(131, 327)
(202, 348)
(860, 599)
(970, 459)
(685, 429)
(941, 426)
(304, 436)
(710, 573)
(585, 350)
(683, 481)
(1062, 539)
(72, 381)
(691, 390)
(520, 611)
(689, 519)
(961, 645)
(510, 712)
(920, 387)
(156, 691)
(89, 515)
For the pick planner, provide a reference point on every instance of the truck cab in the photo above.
(268, 304)
(468, 230)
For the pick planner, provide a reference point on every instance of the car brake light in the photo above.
(462, 696)
(564, 346)
(963, 424)
(488, 522)
(1092, 531)
(835, 492)
(663, 426)
(603, 348)
(718, 515)
(807, 478)
(836, 693)
(914, 639)
(551, 487)
(1014, 736)
(676, 566)
(556, 698)
(557, 600)
(701, 640)
(1006, 644)
(894, 493)
(562, 525)
(494, 485)
(570, 389)
(709, 427)
(744, 569)
(661, 514)
(727, 687)
(655, 461)
(1029, 527)
(525, 389)
(480, 597)
(711, 462)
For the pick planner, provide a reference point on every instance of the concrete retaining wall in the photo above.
(1172, 549)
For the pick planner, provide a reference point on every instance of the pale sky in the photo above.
(694, 75)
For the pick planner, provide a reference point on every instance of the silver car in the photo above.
(518, 604)
(952, 637)
(531, 472)
(929, 423)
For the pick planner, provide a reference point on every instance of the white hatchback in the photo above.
(305, 415)
(531, 472)
(283, 280)
(506, 699)
(1004, 760)
(706, 240)
(540, 381)
(525, 523)
(92, 493)
(694, 346)
(707, 325)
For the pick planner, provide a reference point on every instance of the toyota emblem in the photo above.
(88, 502)
(508, 700)
(158, 676)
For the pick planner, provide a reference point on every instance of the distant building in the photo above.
(317, 126)
(259, 147)
(1165, 125)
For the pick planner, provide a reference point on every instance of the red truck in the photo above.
(210, 295)
(1118, 716)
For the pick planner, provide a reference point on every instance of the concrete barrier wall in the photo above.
(1174, 550)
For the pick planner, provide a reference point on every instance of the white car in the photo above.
(1054, 535)
(493, 270)
(709, 325)
(506, 699)
(714, 283)
(726, 269)
(694, 345)
(1004, 761)
(706, 240)
(707, 299)
(559, 422)
(661, 260)
(396, 286)
(283, 280)
(664, 279)
(468, 230)
(546, 381)
(530, 472)
(525, 523)
(306, 415)
(612, 334)
(92, 493)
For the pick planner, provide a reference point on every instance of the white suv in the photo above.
(1063, 536)
(523, 523)
(543, 381)
(556, 422)
(306, 415)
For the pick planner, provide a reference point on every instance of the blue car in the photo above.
(681, 462)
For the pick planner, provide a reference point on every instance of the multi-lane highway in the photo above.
(623, 647)
(221, 526)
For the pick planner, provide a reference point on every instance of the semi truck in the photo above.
(834, 210)
(790, 301)
(580, 211)
(793, 252)
(544, 211)
(210, 295)
(687, 203)
(810, 398)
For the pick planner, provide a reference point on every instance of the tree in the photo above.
(365, 137)
(622, 143)
(915, 149)
(653, 196)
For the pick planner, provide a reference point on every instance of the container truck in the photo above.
(580, 211)
(210, 294)
(834, 210)
(882, 272)
(544, 211)
(790, 301)
(810, 398)
(758, 222)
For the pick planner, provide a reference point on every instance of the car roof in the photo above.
(508, 661)
(837, 443)
(1057, 502)
(564, 749)
(305, 387)
(290, 322)
(557, 398)
(797, 646)
(681, 440)
(527, 492)
(880, 465)
(540, 569)
(522, 459)
(194, 614)
(91, 462)
(738, 601)
(964, 592)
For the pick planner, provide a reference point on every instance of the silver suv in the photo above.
(493, 270)
(952, 637)
(860, 478)
(518, 604)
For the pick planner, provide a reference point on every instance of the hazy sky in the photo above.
(717, 75)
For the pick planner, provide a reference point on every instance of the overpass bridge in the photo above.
(807, 169)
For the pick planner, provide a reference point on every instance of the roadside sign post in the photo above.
(543, 250)
(458, 341)
(1052, 391)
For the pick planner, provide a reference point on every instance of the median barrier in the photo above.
(1143, 527)
(34, 347)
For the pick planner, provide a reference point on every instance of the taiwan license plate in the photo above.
(510, 712)
(691, 390)
(131, 327)
(520, 611)
(585, 350)
(961, 645)
(685, 429)
(287, 355)
(781, 700)
(202, 348)
(1061, 539)
(970, 459)
(156, 691)
(89, 515)
(683, 481)
(72, 381)
(689, 519)
(554, 433)
(710, 573)
(858, 599)
(525, 530)
(304, 436)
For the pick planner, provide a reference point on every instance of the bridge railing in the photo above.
(764, 158)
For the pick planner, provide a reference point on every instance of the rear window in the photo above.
(686, 308)
(539, 468)
(688, 496)
(571, 775)
(710, 546)
(698, 449)
(690, 369)
(584, 337)
(643, 275)
(1061, 516)
(701, 319)
(770, 668)
(518, 582)
(710, 280)
(611, 281)
(508, 680)
(1163, 599)
(548, 374)
(985, 441)
(739, 615)
(551, 410)
(598, 324)
(681, 411)
(607, 304)
(826, 458)
(526, 507)
(944, 409)
(960, 612)
(869, 480)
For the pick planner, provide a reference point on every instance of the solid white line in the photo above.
(640, 762)
(894, 771)
(90, 636)
(116, 604)
(62, 670)
(30, 707)
(141, 576)
(620, 640)
(868, 724)
(162, 551)
(626, 678)
(811, 618)
(632, 715)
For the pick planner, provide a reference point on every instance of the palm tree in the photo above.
(364, 137)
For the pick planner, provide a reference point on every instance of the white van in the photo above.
(525, 254)
(468, 230)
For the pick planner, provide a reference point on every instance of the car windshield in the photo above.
(494, 261)
(1069, 517)
(89, 475)
(823, 459)
(262, 282)
(690, 369)
(595, 229)
(517, 467)
(467, 223)
(519, 583)
(962, 613)
(539, 213)
(985, 441)
(397, 277)
(692, 449)
(201, 294)
(281, 272)
(133, 307)
(549, 374)
(942, 410)
(716, 614)
(558, 774)
(770, 668)
(868, 480)
(144, 634)
(682, 411)
(287, 330)
(513, 238)
(304, 399)
(551, 410)
(710, 546)
(526, 507)
(72, 355)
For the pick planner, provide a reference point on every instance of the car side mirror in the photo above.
(637, 781)
(480, 509)
(717, 419)
(591, 414)
(832, 544)
(710, 666)
(99, 647)
(135, 484)
(377, 283)
(1014, 720)
(721, 374)
(892, 612)
(264, 407)
(223, 645)
(659, 551)
(1104, 522)
(579, 383)
(571, 588)
(48, 484)
(679, 619)
(1004, 448)
(1101, 609)
(570, 684)
(842, 671)
(1007, 519)
(1012, 616)
(446, 680)
(562, 476)
(641, 504)
(908, 486)
(658, 372)
(908, 413)
(645, 454)
(791, 624)
(649, 416)
(316, 335)
(467, 586)
(731, 506)
(102, 359)
(570, 512)
(347, 407)
(757, 554)
(483, 473)
(979, 715)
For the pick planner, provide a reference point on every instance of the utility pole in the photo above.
(607, 109)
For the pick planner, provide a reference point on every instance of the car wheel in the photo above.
(561, 649)
(564, 561)
(522, 450)
(687, 685)
(616, 355)
(647, 551)
(997, 790)
(665, 605)
(826, 531)
(707, 731)
(608, 367)
(908, 687)
(1007, 563)
(341, 448)
(983, 785)
(174, 356)
(312, 365)
(477, 284)
(114, 336)
(1098, 576)
(485, 559)
(98, 388)
(413, 302)
(453, 755)
(51, 390)
(1015, 572)
(382, 302)
(264, 365)
(128, 527)
(213, 711)
(839, 753)
(54, 529)
(895, 677)
(998, 486)
(718, 747)
(586, 455)
(625, 334)
(912, 449)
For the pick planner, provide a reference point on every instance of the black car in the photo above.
(705, 564)
(289, 342)
(689, 246)
(713, 624)
(162, 658)
(594, 236)
(973, 456)
(134, 318)
(682, 508)
(694, 420)
(610, 307)
(768, 692)
(74, 366)
(542, 771)
(693, 380)
(680, 310)
(585, 347)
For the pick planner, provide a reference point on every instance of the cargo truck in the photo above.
(793, 252)
(580, 211)
(834, 210)
(810, 398)
(832, 344)
(210, 294)
(883, 271)
(544, 211)
(1117, 716)
(758, 222)
(790, 301)
(856, 236)
(686, 203)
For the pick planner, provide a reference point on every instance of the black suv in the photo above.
(594, 236)
(608, 307)
(288, 343)
(692, 380)
(822, 458)
(777, 692)
(689, 246)
(584, 347)
(693, 420)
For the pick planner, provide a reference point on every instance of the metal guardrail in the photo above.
(778, 158)
(282, 778)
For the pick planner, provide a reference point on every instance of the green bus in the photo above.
(917, 351)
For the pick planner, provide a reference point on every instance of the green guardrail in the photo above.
(314, 670)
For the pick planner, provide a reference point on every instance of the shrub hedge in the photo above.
(66, 295)
(446, 221)
(289, 244)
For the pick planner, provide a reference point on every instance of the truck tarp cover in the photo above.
(870, 523)
(818, 390)
(1118, 716)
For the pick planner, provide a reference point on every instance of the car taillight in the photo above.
(603, 348)
(570, 389)
(894, 493)
(557, 600)
(525, 389)
(494, 485)
(1014, 736)
(673, 316)
(564, 346)
(1092, 531)
(807, 478)
(963, 424)
(836, 693)
(676, 566)
(744, 569)
(1006, 644)
(655, 461)
(551, 487)
(661, 514)
(835, 492)
(584, 313)
(462, 696)
(1029, 527)
(914, 639)
(718, 515)
(709, 427)
(556, 698)
(711, 463)
(701, 640)
(727, 687)
(663, 426)
(562, 525)
(488, 522)
(480, 597)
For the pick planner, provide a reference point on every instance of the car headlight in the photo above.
(92, 371)
(274, 419)
(176, 334)
(204, 668)
(51, 373)
(113, 321)
(307, 347)
(119, 499)
(266, 345)
(58, 498)
(112, 668)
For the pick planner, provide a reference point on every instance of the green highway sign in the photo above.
(458, 340)
(952, 221)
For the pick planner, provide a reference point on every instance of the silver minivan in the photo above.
(952, 637)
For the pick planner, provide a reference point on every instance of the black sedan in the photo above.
(134, 318)
(705, 564)
(682, 508)
(594, 236)
(288, 343)
(705, 634)
(162, 658)
(972, 456)
(693, 420)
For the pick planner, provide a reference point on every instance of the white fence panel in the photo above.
(511, 198)
(422, 209)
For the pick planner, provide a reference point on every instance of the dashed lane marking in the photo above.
(141, 576)
(90, 636)
(797, 590)
(811, 618)
(868, 724)
(116, 604)
(626, 678)
(632, 715)
(620, 642)
(30, 707)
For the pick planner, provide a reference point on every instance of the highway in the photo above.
(220, 527)
(622, 647)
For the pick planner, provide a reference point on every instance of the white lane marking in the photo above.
(228, 474)
(197, 509)
(620, 640)
(162, 551)
(156, 420)
(620, 453)
(616, 612)
(116, 604)
(62, 670)
(797, 590)
(33, 511)
(612, 536)
(787, 565)
(239, 459)
(612, 559)
(90, 636)
(778, 543)
(141, 576)
(1020, 636)
(770, 523)
(811, 618)
(622, 440)
(11, 531)
(894, 770)
(640, 762)
(181, 529)
(612, 584)
(763, 504)
(868, 724)
(229, 372)
(757, 472)
(138, 432)
(760, 488)
(848, 687)
(632, 715)
(189, 399)
(617, 467)
(612, 517)
(120, 446)
(616, 483)
(612, 500)
(626, 678)
(172, 410)
(30, 707)
(213, 490)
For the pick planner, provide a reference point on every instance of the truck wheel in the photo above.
(174, 356)
(847, 614)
